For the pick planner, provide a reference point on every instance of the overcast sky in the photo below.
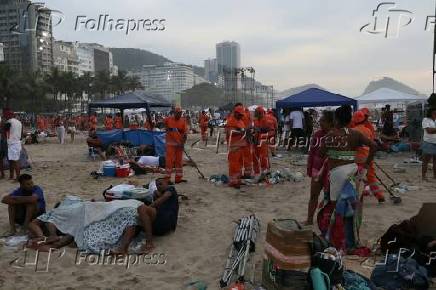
(290, 43)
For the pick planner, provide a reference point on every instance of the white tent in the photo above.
(385, 96)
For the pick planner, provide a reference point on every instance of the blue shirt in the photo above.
(35, 190)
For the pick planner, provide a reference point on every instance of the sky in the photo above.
(289, 43)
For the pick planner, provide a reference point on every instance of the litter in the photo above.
(219, 179)
(15, 241)
(399, 169)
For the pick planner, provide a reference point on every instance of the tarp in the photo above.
(135, 137)
(132, 100)
(389, 96)
(315, 98)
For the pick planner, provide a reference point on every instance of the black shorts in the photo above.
(20, 214)
(164, 223)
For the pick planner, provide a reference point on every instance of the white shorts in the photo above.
(14, 151)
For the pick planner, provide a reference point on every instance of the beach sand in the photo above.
(200, 245)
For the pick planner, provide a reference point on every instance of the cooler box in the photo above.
(109, 169)
(288, 244)
(123, 171)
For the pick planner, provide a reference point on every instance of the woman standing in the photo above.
(429, 142)
(340, 147)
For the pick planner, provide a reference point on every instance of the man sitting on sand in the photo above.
(25, 203)
(161, 216)
(94, 142)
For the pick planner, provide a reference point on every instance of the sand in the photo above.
(200, 245)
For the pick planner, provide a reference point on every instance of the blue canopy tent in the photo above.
(315, 98)
(133, 100)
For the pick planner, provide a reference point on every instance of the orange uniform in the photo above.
(248, 150)
(204, 124)
(118, 123)
(362, 154)
(236, 141)
(93, 122)
(40, 123)
(264, 130)
(175, 140)
(109, 123)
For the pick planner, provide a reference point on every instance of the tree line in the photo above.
(59, 91)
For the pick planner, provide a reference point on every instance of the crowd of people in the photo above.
(340, 144)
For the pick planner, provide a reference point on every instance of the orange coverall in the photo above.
(263, 133)
(249, 149)
(204, 124)
(118, 122)
(175, 141)
(361, 156)
(236, 141)
(93, 122)
(108, 123)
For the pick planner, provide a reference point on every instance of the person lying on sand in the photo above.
(147, 164)
(24, 204)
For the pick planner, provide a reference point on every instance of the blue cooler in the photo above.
(109, 170)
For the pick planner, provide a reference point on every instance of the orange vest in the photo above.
(175, 130)
(234, 137)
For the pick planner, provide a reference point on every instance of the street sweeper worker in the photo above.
(249, 148)
(93, 121)
(118, 122)
(235, 130)
(359, 124)
(263, 128)
(108, 123)
(204, 124)
(176, 135)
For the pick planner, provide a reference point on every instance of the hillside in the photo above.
(203, 95)
(390, 83)
(130, 59)
(296, 90)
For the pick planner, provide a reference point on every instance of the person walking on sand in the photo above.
(176, 135)
(429, 142)
(13, 130)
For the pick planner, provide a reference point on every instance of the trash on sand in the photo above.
(219, 179)
(399, 169)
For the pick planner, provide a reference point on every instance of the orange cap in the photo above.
(358, 117)
(365, 111)
(239, 110)
(260, 109)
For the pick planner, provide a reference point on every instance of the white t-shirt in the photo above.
(151, 161)
(429, 123)
(287, 126)
(14, 135)
(297, 118)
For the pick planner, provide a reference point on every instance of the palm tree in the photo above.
(8, 84)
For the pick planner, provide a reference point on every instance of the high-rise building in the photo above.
(102, 60)
(228, 56)
(167, 80)
(85, 55)
(211, 70)
(65, 57)
(26, 33)
(2, 55)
